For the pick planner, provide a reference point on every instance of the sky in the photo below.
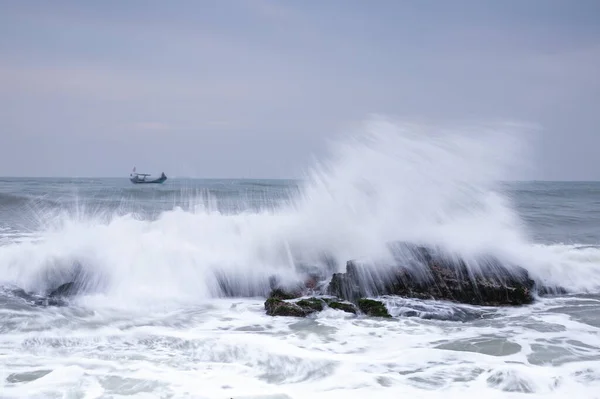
(256, 88)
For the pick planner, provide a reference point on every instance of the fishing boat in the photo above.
(141, 178)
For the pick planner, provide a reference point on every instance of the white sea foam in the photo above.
(230, 348)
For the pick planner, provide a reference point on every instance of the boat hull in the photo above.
(136, 180)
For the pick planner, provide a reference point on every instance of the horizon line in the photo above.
(268, 178)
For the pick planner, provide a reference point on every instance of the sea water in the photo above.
(155, 322)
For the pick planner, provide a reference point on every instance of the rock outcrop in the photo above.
(279, 304)
(35, 299)
(280, 293)
(415, 272)
(340, 305)
(64, 290)
(421, 273)
(373, 308)
(279, 307)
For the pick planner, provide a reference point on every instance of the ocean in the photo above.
(154, 322)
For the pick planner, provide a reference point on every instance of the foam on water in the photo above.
(230, 348)
(391, 182)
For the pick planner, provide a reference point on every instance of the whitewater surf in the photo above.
(174, 278)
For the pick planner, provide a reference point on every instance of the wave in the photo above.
(391, 182)
(11, 200)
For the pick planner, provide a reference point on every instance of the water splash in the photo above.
(391, 182)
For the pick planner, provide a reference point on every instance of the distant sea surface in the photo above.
(155, 323)
(555, 212)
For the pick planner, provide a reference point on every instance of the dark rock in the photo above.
(550, 290)
(313, 304)
(373, 308)
(21, 293)
(68, 277)
(280, 293)
(278, 307)
(64, 290)
(275, 306)
(344, 306)
(423, 273)
(50, 302)
(345, 286)
(35, 299)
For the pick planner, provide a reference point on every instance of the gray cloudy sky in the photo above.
(253, 88)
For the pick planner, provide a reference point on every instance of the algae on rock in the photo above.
(373, 308)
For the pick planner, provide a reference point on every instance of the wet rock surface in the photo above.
(341, 305)
(280, 293)
(36, 299)
(58, 296)
(64, 290)
(550, 290)
(279, 307)
(418, 272)
(275, 305)
(373, 308)
(311, 304)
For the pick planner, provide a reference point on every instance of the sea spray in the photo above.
(410, 183)
(392, 182)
